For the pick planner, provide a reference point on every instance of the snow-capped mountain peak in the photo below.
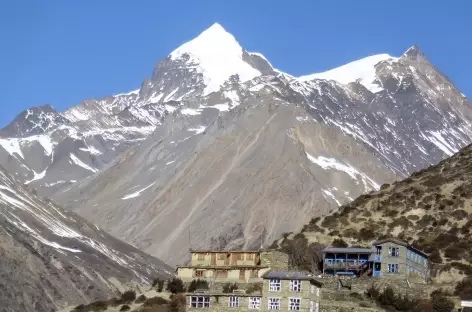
(414, 53)
(362, 71)
(217, 55)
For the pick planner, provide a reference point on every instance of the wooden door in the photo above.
(227, 259)
(213, 259)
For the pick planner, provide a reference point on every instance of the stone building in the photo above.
(231, 266)
(281, 290)
(386, 257)
(400, 258)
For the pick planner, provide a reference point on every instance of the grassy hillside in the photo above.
(431, 210)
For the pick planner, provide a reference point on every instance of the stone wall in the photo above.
(361, 284)
(275, 260)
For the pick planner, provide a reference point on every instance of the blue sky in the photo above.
(60, 52)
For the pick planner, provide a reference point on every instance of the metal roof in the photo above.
(290, 275)
(348, 250)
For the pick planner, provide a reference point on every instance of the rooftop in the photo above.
(223, 267)
(348, 250)
(290, 275)
(223, 251)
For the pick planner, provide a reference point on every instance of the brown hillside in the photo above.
(432, 210)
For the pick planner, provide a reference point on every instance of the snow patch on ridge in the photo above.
(137, 193)
(362, 70)
(80, 163)
(37, 176)
(331, 163)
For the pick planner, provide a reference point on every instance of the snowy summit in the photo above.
(218, 56)
(362, 70)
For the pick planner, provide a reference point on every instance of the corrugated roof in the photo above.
(287, 275)
(348, 250)
(291, 275)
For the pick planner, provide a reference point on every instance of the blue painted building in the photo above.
(386, 257)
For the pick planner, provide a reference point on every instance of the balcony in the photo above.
(347, 265)
(377, 258)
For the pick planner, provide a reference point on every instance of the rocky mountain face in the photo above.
(53, 258)
(431, 210)
(232, 152)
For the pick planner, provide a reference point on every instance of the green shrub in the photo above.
(159, 284)
(140, 299)
(464, 287)
(366, 234)
(197, 284)
(128, 296)
(155, 301)
(125, 308)
(252, 288)
(372, 292)
(177, 303)
(339, 242)
(442, 304)
(229, 287)
(175, 286)
(435, 257)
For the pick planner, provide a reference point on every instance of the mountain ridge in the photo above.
(123, 160)
(52, 258)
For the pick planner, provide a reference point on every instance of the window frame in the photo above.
(234, 302)
(294, 303)
(255, 303)
(201, 256)
(275, 285)
(391, 253)
(296, 286)
(393, 265)
(275, 300)
(205, 303)
(250, 256)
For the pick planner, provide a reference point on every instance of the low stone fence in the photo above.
(361, 284)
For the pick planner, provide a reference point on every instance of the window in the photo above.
(393, 251)
(295, 285)
(312, 289)
(274, 304)
(250, 256)
(317, 291)
(274, 284)
(240, 256)
(311, 306)
(199, 273)
(254, 302)
(221, 256)
(294, 304)
(200, 301)
(201, 256)
(233, 302)
(393, 268)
